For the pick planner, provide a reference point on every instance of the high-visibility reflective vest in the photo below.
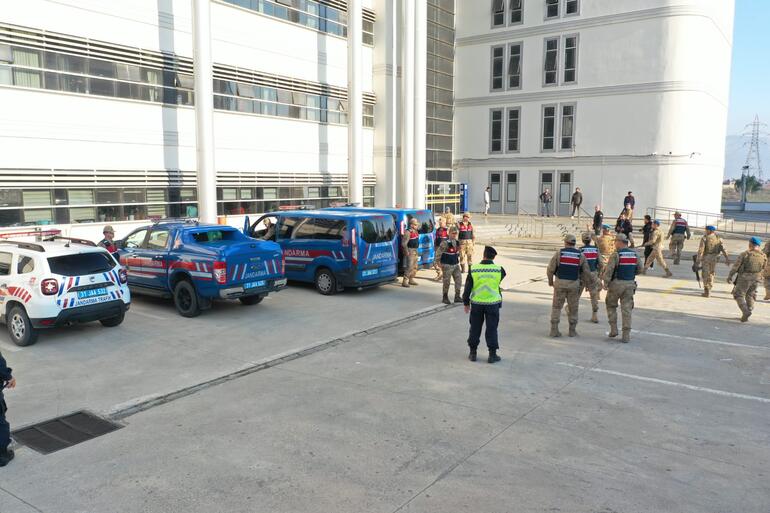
(486, 284)
(591, 254)
(569, 264)
(627, 265)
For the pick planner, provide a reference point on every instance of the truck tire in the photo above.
(111, 322)
(325, 282)
(251, 300)
(186, 299)
(20, 328)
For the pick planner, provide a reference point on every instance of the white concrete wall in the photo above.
(652, 92)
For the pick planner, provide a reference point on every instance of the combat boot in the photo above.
(472, 355)
(669, 274)
(6, 457)
(458, 299)
(745, 317)
(413, 282)
(705, 293)
(445, 299)
(493, 356)
(573, 330)
(613, 331)
(767, 296)
(555, 333)
(626, 337)
(594, 317)
(405, 283)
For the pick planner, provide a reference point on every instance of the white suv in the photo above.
(56, 282)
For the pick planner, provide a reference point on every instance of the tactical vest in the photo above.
(466, 231)
(108, 245)
(442, 234)
(451, 256)
(569, 264)
(591, 253)
(753, 262)
(680, 226)
(712, 245)
(414, 240)
(486, 284)
(627, 265)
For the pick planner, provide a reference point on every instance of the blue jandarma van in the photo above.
(402, 217)
(333, 250)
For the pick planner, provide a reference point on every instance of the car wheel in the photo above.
(20, 328)
(113, 321)
(325, 282)
(186, 299)
(251, 300)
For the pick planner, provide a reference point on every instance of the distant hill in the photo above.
(735, 156)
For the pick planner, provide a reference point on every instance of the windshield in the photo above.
(425, 219)
(377, 229)
(81, 264)
(216, 236)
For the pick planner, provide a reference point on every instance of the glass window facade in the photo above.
(441, 39)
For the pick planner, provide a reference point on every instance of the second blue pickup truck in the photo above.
(195, 263)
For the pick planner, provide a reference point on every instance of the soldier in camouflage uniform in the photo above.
(591, 254)
(410, 243)
(766, 251)
(710, 248)
(467, 242)
(448, 217)
(749, 268)
(566, 266)
(678, 232)
(450, 264)
(619, 280)
(442, 234)
(656, 241)
(606, 244)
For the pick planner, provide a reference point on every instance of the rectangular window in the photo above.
(549, 127)
(36, 198)
(572, 7)
(498, 13)
(570, 59)
(514, 121)
(516, 12)
(552, 8)
(498, 64)
(496, 131)
(5, 263)
(567, 126)
(551, 64)
(514, 66)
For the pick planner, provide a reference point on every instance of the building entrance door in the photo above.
(565, 193)
(511, 192)
(495, 193)
(546, 183)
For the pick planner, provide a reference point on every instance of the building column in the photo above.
(420, 22)
(204, 111)
(355, 103)
(407, 91)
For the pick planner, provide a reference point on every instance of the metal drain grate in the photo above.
(56, 434)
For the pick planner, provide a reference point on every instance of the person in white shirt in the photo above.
(486, 201)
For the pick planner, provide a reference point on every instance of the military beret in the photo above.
(656, 222)
(756, 241)
(605, 227)
(711, 228)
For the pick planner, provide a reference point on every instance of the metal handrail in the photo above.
(529, 223)
(694, 218)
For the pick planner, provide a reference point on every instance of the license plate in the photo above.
(370, 272)
(254, 284)
(85, 294)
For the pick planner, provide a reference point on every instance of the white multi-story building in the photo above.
(98, 123)
(607, 95)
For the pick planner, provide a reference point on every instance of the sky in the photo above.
(750, 81)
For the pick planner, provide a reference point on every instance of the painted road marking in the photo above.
(145, 314)
(704, 340)
(669, 383)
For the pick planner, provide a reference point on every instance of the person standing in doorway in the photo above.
(482, 298)
(629, 202)
(576, 201)
(545, 202)
(598, 220)
(486, 200)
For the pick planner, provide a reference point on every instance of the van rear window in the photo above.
(215, 236)
(81, 264)
(378, 229)
(425, 219)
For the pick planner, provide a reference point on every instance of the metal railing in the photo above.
(526, 225)
(694, 218)
(744, 227)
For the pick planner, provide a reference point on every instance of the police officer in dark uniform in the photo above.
(7, 381)
(482, 299)
(108, 241)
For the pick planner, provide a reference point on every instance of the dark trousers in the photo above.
(479, 315)
(647, 253)
(5, 429)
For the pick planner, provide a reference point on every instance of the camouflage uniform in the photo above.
(620, 291)
(449, 218)
(451, 271)
(466, 245)
(606, 245)
(440, 237)
(677, 239)
(656, 241)
(411, 256)
(708, 255)
(766, 251)
(594, 286)
(749, 267)
(566, 290)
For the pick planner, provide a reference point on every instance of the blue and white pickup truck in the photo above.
(195, 263)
